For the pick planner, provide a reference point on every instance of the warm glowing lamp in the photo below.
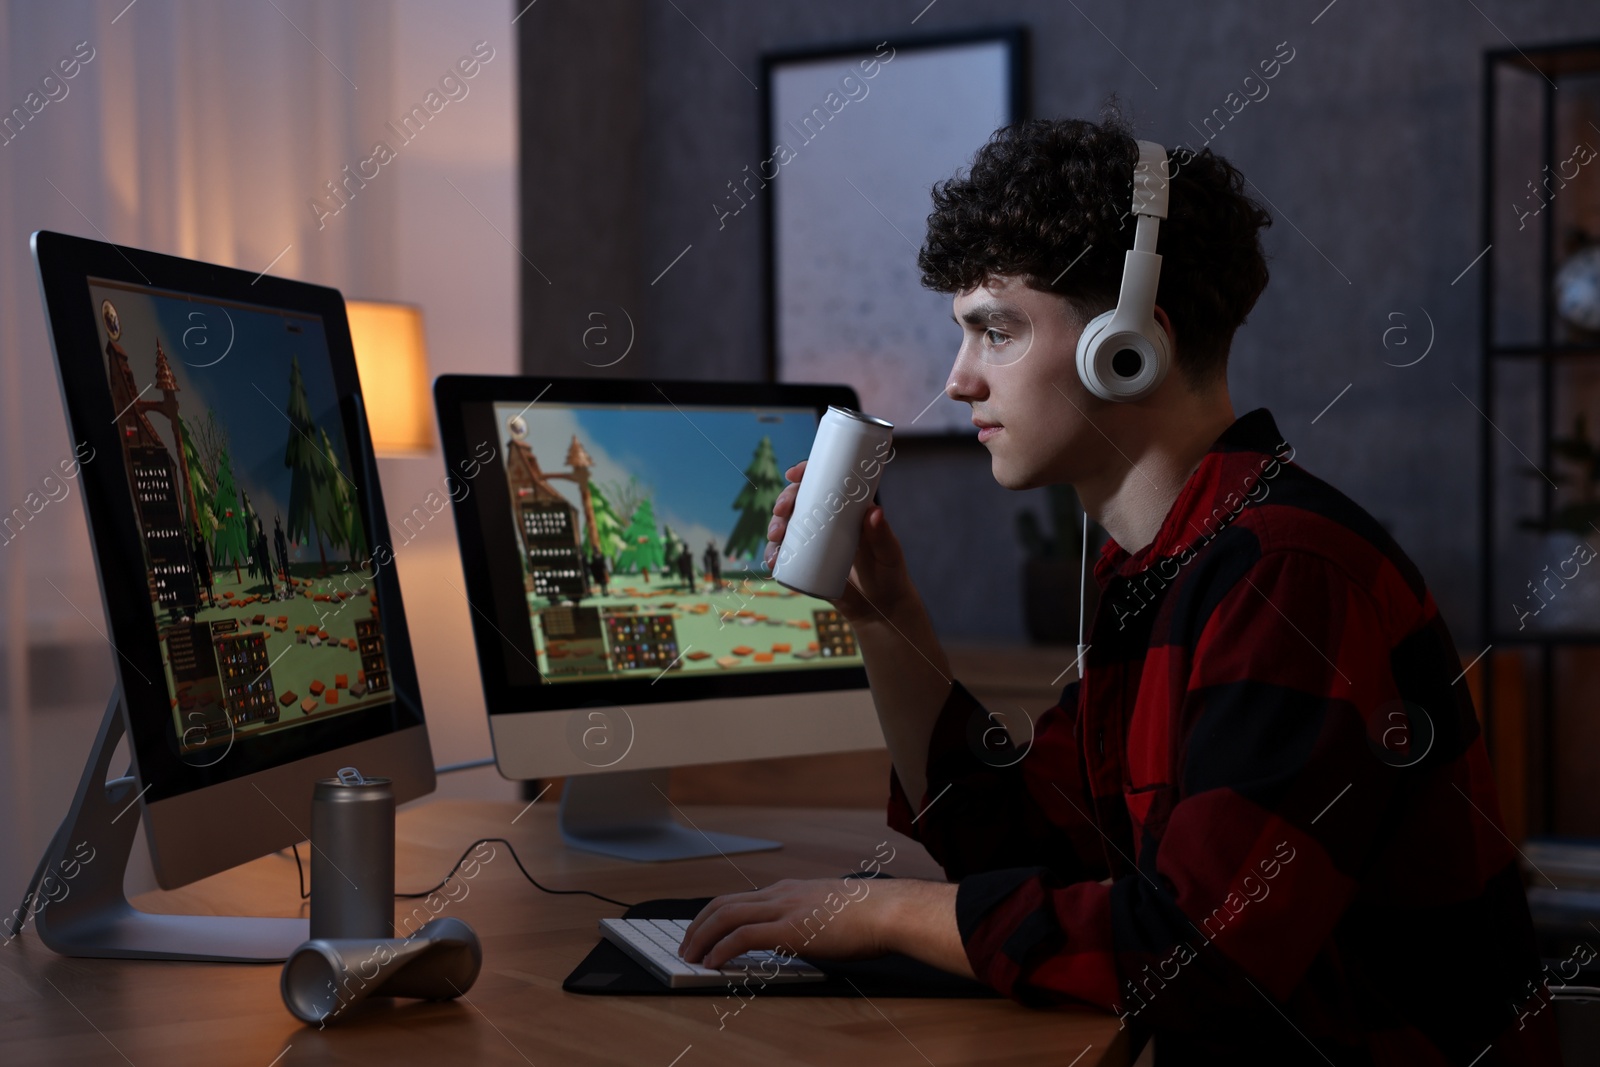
(392, 360)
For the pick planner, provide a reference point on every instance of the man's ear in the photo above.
(1166, 324)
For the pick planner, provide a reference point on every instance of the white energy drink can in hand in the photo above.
(847, 459)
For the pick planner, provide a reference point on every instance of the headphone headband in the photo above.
(1123, 354)
(1150, 180)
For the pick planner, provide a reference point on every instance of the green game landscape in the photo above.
(297, 664)
(742, 621)
(749, 618)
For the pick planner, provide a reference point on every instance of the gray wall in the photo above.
(1366, 151)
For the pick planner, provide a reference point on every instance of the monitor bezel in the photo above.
(454, 392)
(66, 265)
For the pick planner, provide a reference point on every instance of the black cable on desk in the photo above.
(305, 893)
(469, 765)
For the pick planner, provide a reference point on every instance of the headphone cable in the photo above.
(1083, 592)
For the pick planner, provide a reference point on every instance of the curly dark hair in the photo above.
(1041, 192)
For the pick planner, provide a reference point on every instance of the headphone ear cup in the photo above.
(1122, 365)
(1088, 344)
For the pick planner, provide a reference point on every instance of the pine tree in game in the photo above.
(280, 548)
(609, 526)
(232, 541)
(342, 528)
(308, 469)
(207, 437)
(624, 496)
(643, 544)
(204, 522)
(754, 503)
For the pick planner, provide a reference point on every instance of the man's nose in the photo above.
(966, 384)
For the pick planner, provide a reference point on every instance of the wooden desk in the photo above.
(55, 1010)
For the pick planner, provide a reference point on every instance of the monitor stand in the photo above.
(83, 910)
(626, 814)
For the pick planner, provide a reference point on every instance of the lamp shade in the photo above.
(392, 360)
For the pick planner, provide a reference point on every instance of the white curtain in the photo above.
(199, 129)
(205, 129)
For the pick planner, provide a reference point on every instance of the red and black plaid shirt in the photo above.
(1274, 758)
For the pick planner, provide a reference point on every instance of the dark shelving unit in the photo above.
(1535, 368)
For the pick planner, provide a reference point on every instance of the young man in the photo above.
(1263, 825)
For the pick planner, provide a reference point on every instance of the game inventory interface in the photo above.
(256, 556)
(641, 530)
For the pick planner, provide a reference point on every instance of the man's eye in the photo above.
(995, 337)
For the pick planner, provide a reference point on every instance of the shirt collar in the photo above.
(1231, 467)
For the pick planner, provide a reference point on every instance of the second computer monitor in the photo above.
(612, 536)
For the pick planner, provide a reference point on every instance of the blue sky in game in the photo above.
(690, 462)
(235, 360)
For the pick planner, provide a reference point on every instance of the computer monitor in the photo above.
(241, 545)
(611, 539)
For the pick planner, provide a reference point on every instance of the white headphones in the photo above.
(1123, 354)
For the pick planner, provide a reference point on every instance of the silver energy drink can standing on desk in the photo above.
(847, 459)
(352, 857)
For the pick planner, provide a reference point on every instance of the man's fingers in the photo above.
(723, 921)
(796, 472)
(718, 927)
(782, 509)
(784, 505)
(716, 904)
(881, 543)
(767, 935)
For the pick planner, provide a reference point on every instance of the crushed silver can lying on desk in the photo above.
(324, 977)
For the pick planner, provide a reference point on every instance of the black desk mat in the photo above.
(609, 970)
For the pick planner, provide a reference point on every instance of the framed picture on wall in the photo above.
(854, 137)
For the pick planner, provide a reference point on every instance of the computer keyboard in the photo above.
(654, 943)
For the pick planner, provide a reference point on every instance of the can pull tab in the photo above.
(350, 776)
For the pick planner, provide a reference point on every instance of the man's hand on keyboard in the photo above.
(821, 918)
